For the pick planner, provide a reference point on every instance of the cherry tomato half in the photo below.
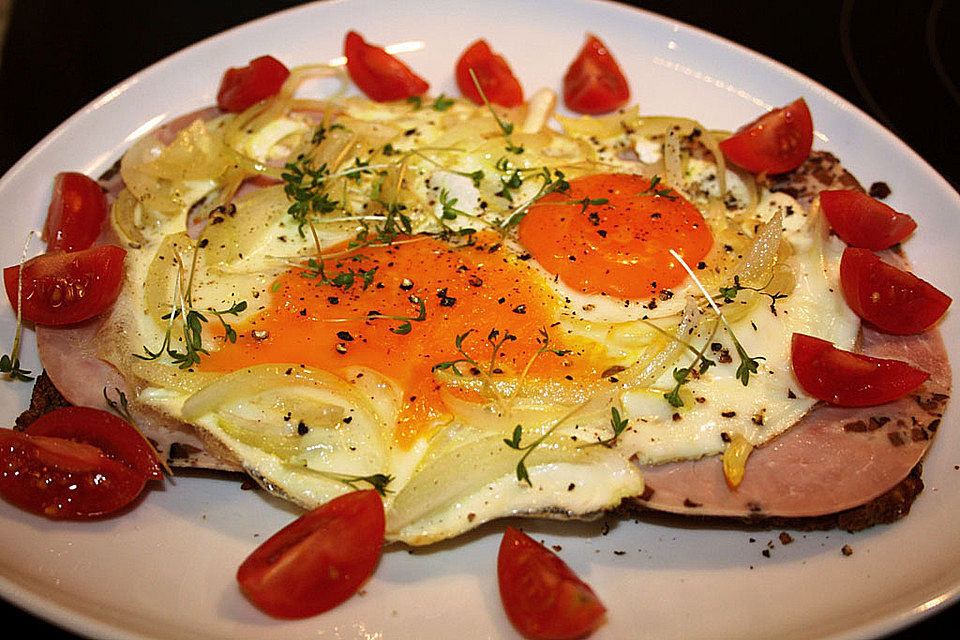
(594, 83)
(243, 87)
(378, 74)
(65, 478)
(892, 299)
(493, 73)
(115, 437)
(66, 288)
(850, 379)
(317, 561)
(542, 597)
(76, 213)
(862, 221)
(776, 142)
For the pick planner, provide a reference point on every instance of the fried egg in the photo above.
(479, 312)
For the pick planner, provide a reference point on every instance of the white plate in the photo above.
(166, 569)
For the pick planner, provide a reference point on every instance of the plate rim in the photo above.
(35, 604)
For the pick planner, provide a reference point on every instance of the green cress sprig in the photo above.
(405, 325)
(551, 183)
(122, 408)
(10, 363)
(618, 424)
(343, 279)
(655, 190)
(193, 321)
(730, 293)
(377, 481)
(748, 365)
(506, 128)
(441, 103)
(192, 335)
(448, 206)
(304, 187)
(495, 339)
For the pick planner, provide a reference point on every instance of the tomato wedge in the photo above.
(317, 561)
(493, 73)
(378, 74)
(542, 597)
(76, 213)
(862, 221)
(66, 288)
(113, 436)
(594, 83)
(850, 379)
(776, 142)
(243, 87)
(74, 465)
(893, 300)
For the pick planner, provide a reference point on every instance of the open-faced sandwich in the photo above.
(477, 307)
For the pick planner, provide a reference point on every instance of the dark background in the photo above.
(899, 61)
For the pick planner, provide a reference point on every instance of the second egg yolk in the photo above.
(612, 234)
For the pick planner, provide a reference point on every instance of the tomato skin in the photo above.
(243, 87)
(849, 379)
(493, 73)
(893, 300)
(317, 561)
(115, 437)
(63, 479)
(594, 83)
(379, 75)
(542, 597)
(862, 221)
(67, 288)
(76, 213)
(776, 142)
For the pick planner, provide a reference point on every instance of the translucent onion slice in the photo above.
(468, 476)
(129, 219)
(757, 270)
(171, 263)
(653, 126)
(648, 370)
(484, 126)
(758, 263)
(530, 390)
(170, 179)
(195, 154)
(279, 105)
(539, 109)
(600, 127)
(146, 187)
(295, 413)
(244, 228)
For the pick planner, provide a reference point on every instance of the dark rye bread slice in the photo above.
(837, 467)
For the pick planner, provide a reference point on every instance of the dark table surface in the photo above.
(898, 61)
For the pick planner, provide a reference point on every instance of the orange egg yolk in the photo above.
(377, 322)
(612, 234)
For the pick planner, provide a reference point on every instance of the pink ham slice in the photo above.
(70, 360)
(833, 460)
